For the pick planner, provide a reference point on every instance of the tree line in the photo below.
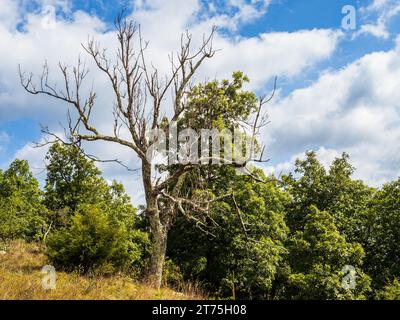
(287, 238)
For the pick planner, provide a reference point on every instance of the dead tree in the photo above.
(139, 91)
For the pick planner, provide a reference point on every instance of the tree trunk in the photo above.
(159, 232)
(157, 258)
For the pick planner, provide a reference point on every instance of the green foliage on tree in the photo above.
(71, 181)
(241, 254)
(317, 256)
(234, 248)
(258, 240)
(326, 220)
(219, 104)
(95, 223)
(21, 207)
(333, 191)
(382, 235)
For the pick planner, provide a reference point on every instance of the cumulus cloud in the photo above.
(9, 15)
(261, 57)
(228, 14)
(355, 109)
(284, 54)
(236, 12)
(30, 47)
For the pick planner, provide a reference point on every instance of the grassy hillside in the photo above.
(21, 277)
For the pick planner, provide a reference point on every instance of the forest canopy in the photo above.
(293, 238)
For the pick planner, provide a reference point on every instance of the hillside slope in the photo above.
(21, 278)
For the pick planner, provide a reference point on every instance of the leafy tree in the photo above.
(71, 181)
(231, 261)
(317, 256)
(382, 235)
(240, 253)
(333, 191)
(98, 225)
(74, 181)
(21, 207)
(342, 203)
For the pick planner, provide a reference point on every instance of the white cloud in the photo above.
(356, 109)
(261, 57)
(35, 157)
(241, 11)
(9, 15)
(285, 54)
(324, 155)
(377, 4)
(230, 14)
(385, 11)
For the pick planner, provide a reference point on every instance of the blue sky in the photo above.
(338, 89)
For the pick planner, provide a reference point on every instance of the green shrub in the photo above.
(95, 240)
(172, 275)
(390, 292)
(21, 208)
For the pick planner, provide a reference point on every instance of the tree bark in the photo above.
(157, 258)
(159, 231)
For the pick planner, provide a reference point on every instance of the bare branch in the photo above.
(239, 213)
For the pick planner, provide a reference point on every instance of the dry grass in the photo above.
(21, 278)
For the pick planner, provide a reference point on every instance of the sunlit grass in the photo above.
(21, 278)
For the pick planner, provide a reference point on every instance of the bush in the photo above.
(21, 208)
(172, 275)
(95, 240)
(390, 292)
